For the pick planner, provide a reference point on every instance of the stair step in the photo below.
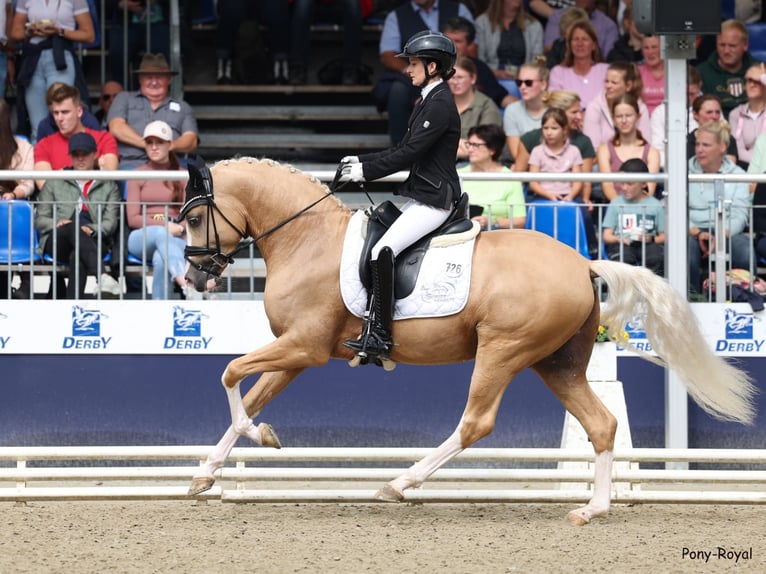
(289, 113)
(265, 141)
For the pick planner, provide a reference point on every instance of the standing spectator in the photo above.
(657, 121)
(48, 125)
(48, 31)
(75, 216)
(706, 109)
(634, 224)
(652, 73)
(712, 139)
(131, 112)
(627, 48)
(394, 91)
(627, 142)
(555, 154)
(748, 120)
(108, 92)
(526, 114)
(604, 27)
(508, 37)
(723, 73)
(582, 70)
(475, 108)
(52, 152)
(300, 40)
(621, 78)
(501, 202)
(156, 234)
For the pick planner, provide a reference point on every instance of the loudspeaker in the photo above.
(677, 16)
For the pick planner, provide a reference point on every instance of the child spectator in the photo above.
(555, 154)
(634, 224)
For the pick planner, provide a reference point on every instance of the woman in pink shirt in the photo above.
(652, 73)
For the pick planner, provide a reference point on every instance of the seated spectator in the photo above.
(52, 152)
(475, 108)
(712, 140)
(652, 73)
(131, 112)
(48, 125)
(628, 142)
(394, 91)
(627, 48)
(77, 217)
(152, 209)
(555, 154)
(16, 153)
(748, 120)
(508, 37)
(133, 16)
(657, 121)
(621, 78)
(463, 35)
(604, 27)
(501, 202)
(544, 8)
(758, 159)
(558, 50)
(48, 31)
(582, 70)
(723, 73)
(707, 109)
(8, 53)
(108, 92)
(634, 224)
(526, 114)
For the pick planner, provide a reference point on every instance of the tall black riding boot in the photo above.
(375, 342)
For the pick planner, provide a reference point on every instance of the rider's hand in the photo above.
(350, 159)
(353, 171)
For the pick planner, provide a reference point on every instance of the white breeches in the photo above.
(417, 219)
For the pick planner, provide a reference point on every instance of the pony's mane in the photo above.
(284, 166)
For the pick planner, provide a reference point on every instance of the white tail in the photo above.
(721, 389)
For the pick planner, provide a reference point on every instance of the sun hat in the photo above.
(154, 64)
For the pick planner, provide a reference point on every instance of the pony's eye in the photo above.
(193, 221)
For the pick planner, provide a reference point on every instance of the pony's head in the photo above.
(212, 239)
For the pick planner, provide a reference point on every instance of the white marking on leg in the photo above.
(602, 491)
(421, 470)
(242, 423)
(219, 454)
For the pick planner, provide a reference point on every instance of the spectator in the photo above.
(77, 217)
(300, 36)
(621, 78)
(48, 31)
(758, 161)
(7, 48)
(16, 153)
(526, 114)
(475, 108)
(558, 50)
(463, 35)
(707, 109)
(508, 37)
(394, 91)
(231, 15)
(133, 16)
(582, 70)
(555, 154)
(657, 121)
(108, 92)
(634, 225)
(723, 73)
(628, 142)
(627, 48)
(712, 140)
(501, 202)
(52, 152)
(48, 125)
(544, 8)
(652, 73)
(748, 120)
(156, 234)
(605, 30)
(132, 111)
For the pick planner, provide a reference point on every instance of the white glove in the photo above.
(353, 172)
(350, 159)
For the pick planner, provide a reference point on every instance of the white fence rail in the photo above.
(308, 475)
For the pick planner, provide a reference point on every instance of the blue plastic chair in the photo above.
(18, 237)
(561, 220)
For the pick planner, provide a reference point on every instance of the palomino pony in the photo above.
(532, 303)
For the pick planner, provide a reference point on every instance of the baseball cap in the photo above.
(82, 142)
(158, 129)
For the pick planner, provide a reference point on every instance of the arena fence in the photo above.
(326, 475)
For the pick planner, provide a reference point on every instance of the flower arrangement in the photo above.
(603, 336)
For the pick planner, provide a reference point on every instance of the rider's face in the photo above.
(416, 71)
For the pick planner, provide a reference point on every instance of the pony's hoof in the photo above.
(389, 494)
(387, 364)
(355, 362)
(269, 436)
(577, 518)
(200, 484)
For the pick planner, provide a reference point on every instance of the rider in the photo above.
(428, 151)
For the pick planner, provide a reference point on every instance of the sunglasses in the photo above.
(756, 81)
(527, 83)
(107, 97)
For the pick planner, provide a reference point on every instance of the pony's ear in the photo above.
(199, 188)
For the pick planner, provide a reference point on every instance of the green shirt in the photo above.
(498, 198)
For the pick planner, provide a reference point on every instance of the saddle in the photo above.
(409, 261)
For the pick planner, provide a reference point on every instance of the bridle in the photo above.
(199, 191)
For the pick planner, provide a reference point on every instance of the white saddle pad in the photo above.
(442, 285)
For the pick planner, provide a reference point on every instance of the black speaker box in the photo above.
(677, 16)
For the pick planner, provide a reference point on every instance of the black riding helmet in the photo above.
(434, 47)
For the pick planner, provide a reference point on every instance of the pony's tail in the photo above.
(721, 389)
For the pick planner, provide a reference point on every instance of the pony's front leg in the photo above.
(599, 503)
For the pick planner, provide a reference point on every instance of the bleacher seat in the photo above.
(561, 220)
(757, 34)
(18, 237)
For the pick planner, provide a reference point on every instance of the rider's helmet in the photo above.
(435, 47)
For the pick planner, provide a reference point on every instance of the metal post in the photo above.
(721, 255)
